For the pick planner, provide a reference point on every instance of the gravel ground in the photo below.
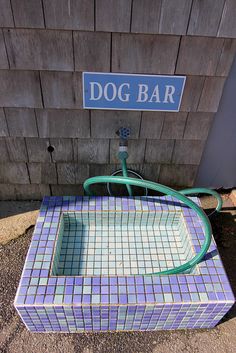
(15, 338)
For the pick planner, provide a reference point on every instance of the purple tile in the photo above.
(198, 279)
(186, 297)
(29, 299)
(192, 288)
(131, 289)
(48, 299)
(166, 288)
(77, 299)
(113, 290)
(87, 281)
(39, 299)
(139, 280)
(96, 281)
(201, 288)
(78, 281)
(104, 289)
(182, 279)
(44, 273)
(105, 299)
(122, 280)
(68, 299)
(86, 298)
(52, 281)
(165, 280)
(150, 298)
(96, 289)
(105, 281)
(69, 290)
(23, 290)
(113, 298)
(174, 288)
(26, 273)
(60, 281)
(123, 299)
(183, 289)
(41, 290)
(141, 298)
(50, 290)
(157, 289)
(173, 280)
(177, 297)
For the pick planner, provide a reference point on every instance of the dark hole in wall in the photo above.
(50, 148)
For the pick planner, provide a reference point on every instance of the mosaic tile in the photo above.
(87, 265)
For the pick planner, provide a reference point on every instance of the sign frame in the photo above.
(85, 106)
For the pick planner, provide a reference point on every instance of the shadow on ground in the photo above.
(224, 230)
(11, 208)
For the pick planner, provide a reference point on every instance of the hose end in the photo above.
(123, 154)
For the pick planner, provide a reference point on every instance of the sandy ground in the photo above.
(14, 337)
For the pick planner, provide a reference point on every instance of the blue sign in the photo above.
(132, 92)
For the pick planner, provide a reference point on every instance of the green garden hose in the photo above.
(125, 174)
(194, 191)
(180, 195)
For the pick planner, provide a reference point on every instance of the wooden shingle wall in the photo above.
(44, 47)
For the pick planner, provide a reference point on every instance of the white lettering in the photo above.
(114, 91)
(155, 95)
(142, 93)
(125, 97)
(110, 92)
(170, 90)
(92, 94)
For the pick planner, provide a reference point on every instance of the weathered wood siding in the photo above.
(44, 47)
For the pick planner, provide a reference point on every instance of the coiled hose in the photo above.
(179, 195)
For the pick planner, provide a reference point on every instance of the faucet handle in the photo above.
(124, 132)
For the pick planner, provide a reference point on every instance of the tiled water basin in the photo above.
(86, 265)
(120, 243)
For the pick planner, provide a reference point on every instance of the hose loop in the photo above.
(171, 192)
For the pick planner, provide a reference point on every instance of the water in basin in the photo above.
(119, 243)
